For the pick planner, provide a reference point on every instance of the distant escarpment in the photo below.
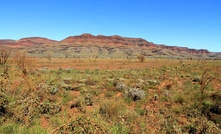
(87, 45)
(107, 40)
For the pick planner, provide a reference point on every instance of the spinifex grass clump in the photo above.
(111, 109)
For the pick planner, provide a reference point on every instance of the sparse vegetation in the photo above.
(74, 96)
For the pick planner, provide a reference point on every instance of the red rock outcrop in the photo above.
(103, 44)
(7, 42)
(38, 40)
(185, 49)
(107, 40)
(32, 41)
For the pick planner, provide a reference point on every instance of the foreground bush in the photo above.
(134, 93)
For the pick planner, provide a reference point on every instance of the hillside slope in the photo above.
(87, 45)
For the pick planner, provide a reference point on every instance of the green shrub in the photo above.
(140, 111)
(49, 108)
(179, 99)
(14, 128)
(9, 129)
(3, 104)
(66, 97)
(119, 128)
(82, 125)
(90, 81)
(112, 108)
(109, 94)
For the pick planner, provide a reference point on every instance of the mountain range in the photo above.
(87, 45)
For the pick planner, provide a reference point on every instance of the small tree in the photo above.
(21, 61)
(141, 58)
(48, 56)
(4, 54)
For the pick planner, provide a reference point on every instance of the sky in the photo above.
(186, 23)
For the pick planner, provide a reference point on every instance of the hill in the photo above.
(87, 45)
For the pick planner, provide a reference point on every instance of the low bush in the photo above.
(141, 58)
(112, 108)
(135, 93)
(82, 125)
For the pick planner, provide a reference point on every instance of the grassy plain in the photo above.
(93, 95)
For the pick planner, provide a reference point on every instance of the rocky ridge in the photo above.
(87, 45)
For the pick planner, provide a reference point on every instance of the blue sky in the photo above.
(187, 23)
